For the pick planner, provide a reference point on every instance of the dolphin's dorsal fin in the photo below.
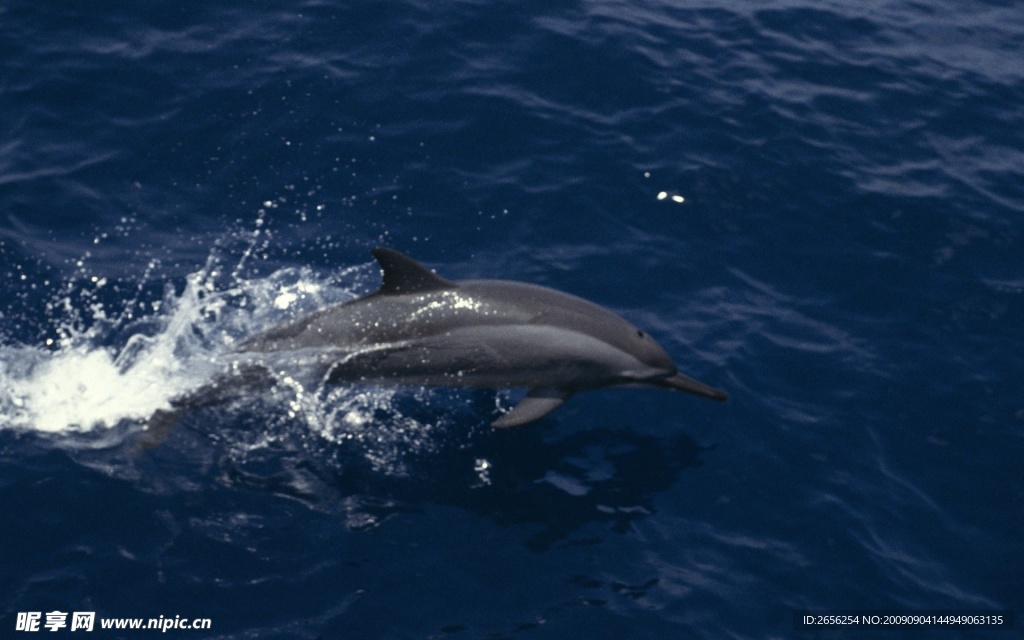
(402, 274)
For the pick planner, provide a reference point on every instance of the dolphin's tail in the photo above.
(679, 382)
(157, 428)
(223, 389)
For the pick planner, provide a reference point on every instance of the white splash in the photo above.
(80, 388)
(83, 385)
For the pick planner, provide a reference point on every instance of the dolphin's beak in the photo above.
(680, 382)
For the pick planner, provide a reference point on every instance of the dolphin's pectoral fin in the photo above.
(537, 404)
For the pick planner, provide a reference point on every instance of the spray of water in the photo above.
(119, 369)
(109, 372)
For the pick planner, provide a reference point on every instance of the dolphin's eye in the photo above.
(640, 333)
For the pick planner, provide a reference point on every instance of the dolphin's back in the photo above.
(383, 319)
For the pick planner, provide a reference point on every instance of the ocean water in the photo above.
(818, 206)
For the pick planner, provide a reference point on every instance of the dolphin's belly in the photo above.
(491, 357)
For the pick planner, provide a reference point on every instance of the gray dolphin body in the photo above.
(424, 330)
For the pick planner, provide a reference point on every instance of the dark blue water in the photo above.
(845, 260)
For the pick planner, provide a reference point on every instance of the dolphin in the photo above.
(421, 329)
